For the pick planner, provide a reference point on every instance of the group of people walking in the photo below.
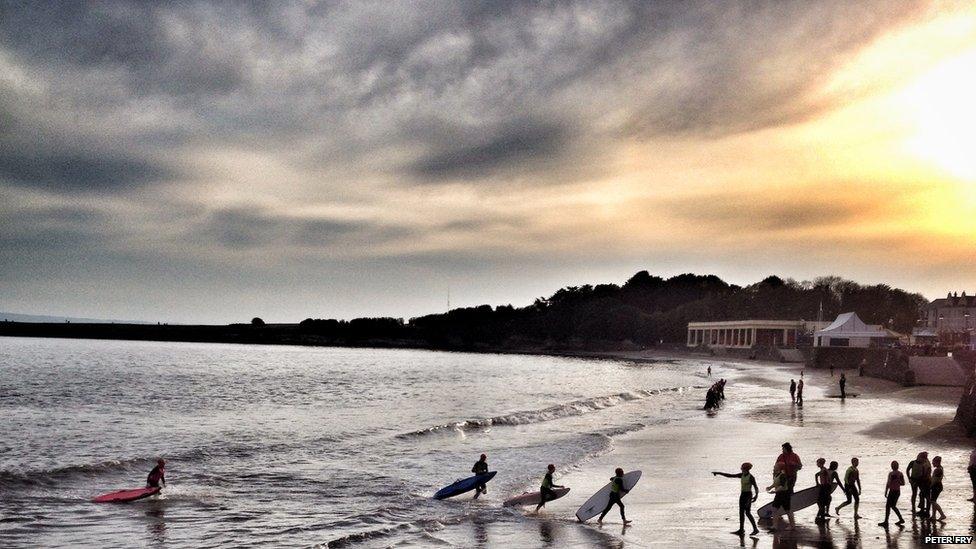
(924, 477)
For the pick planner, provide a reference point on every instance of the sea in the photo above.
(287, 446)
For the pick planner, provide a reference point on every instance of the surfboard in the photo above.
(800, 500)
(122, 496)
(464, 485)
(849, 395)
(533, 498)
(598, 502)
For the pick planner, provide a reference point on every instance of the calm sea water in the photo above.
(295, 446)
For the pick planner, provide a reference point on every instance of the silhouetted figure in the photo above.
(746, 499)
(793, 391)
(843, 385)
(480, 468)
(892, 490)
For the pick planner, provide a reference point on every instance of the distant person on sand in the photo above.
(709, 371)
(793, 391)
(937, 476)
(852, 487)
(799, 392)
(781, 500)
(157, 475)
(972, 473)
(480, 468)
(616, 492)
(746, 499)
(892, 490)
(843, 385)
(546, 492)
(831, 370)
(791, 464)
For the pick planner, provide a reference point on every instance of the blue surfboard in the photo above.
(464, 485)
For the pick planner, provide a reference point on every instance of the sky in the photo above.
(215, 161)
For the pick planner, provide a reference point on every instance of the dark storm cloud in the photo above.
(77, 171)
(522, 143)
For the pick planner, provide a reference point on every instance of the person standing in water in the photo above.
(709, 371)
(546, 492)
(892, 490)
(852, 487)
(923, 476)
(799, 392)
(157, 475)
(480, 468)
(617, 491)
(843, 385)
(781, 500)
(937, 476)
(791, 463)
(793, 391)
(746, 499)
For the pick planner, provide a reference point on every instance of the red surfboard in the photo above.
(122, 496)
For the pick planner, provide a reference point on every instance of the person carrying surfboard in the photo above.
(157, 475)
(852, 487)
(480, 468)
(746, 499)
(617, 491)
(892, 490)
(546, 492)
(791, 462)
(781, 500)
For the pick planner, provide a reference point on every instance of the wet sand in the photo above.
(678, 503)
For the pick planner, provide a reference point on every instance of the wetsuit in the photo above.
(843, 384)
(616, 492)
(823, 492)
(480, 468)
(851, 478)
(924, 479)
(895, 481)
(937, 474)
(781, 500)
(912, 472)
(545, 491)
(156, 476)
(745, 500)
(793, 391)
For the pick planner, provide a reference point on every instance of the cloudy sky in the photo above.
(208, 162)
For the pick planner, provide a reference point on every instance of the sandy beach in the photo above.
(678, 503)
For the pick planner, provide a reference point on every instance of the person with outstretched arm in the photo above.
(157, 475)
(746, 499)
(892, 490)
(852, 487)
(617, 491)
(480, 468)
(546, 492)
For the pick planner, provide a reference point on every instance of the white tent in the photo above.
(849, 331)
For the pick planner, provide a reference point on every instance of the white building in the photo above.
(850, 331)
(744, 334)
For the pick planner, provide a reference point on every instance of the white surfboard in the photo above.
(800, 500)
(596, 504)
(533, 498)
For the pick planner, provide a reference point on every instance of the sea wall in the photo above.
(890, 364)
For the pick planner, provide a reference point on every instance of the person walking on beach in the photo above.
(892, 490)
(791, 463)
(546, 492)
(923, 477)
(937, 475)
(793, 391)
(480, 468)
(799, 391)
(822, 480)
(843, 385)
(781, 500)
(157, 475)
(972, 473)
(617, 491)
(852, 487)
(746, 499)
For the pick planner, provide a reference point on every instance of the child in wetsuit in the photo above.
(546, 492)
(616, 492)
(746, 499)
(852, 487)
(157, 475)
(781, 487)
